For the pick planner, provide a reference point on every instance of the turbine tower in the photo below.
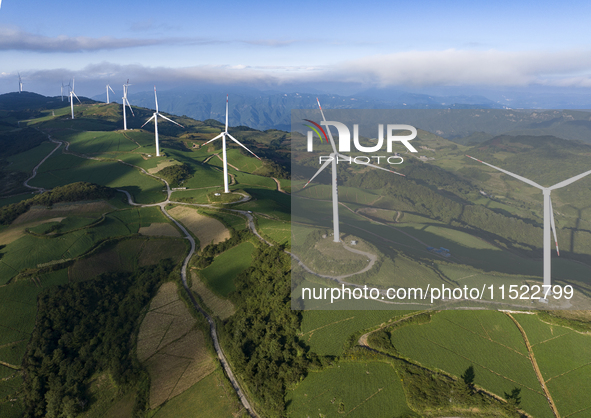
(72, 95)
(333, 161)
(155, 117)
(548, 214)
(109, 87)
(223, 135)
(20, 83)
(126, 102)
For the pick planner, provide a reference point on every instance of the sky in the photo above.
(413, 46)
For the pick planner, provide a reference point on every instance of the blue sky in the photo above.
(371, 44)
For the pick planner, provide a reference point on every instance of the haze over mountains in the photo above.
(271, 109)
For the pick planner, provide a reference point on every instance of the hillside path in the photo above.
(535, 366)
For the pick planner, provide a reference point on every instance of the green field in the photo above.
(26, 161)
(30, 251)
(220, 275)
(230, 219)
(269, 202)
(488, 340)
(94, 142)
(278, 231)
(210, 397)
(326, 332)
(368, 389)
(61, 169)
(564, 358)
(247, 164)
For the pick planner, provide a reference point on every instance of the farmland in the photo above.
(171, 347)
(569, 369)
(377, 392)
(220, 275)
(212, 396)
(206, 229)
(221, 307)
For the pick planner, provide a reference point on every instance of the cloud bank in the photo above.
(416, 68)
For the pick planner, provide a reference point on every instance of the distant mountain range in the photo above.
(272, 110)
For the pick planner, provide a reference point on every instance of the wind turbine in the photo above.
(126, 102)
(72, 95)
(109, 87)
(223, 135)
(548, 214)
(155, 117)
(62, 91)
(335, 192)
(20, 83)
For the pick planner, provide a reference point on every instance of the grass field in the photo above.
(221, 307)
(125, 256)
(230, 219)
(160, 229)
(220, 275)
(377, 392)
(26, 161)
(172, 348)
(207, 230)
(327, 331)
(61, 169)
(212, 396)
(488, 340)
(94, 142)
(270, 202)
(15, 198)
(278, 231)
(30, 251)
(564, 358)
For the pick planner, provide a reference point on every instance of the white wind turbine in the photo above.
(72, 95)
(548, 214)
(125, 102)
(223, 135)
(109, 87)
(155, 117)
(20, 83)
(335, 192)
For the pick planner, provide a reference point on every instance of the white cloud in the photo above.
(463, 67)
(17, 39)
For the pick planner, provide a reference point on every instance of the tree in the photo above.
(468, 378)
(514, 397)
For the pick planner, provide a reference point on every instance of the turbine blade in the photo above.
(226, 113)
(170, 120)
(156, 98)
(523, 179)
(213, 139)
(238, 142)
(326, 163)
(154, 115)
(334, 148)
(76, 97)
(372, 165)
(111, 89)
(553, 227)
(569, 181)
(128, 105)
